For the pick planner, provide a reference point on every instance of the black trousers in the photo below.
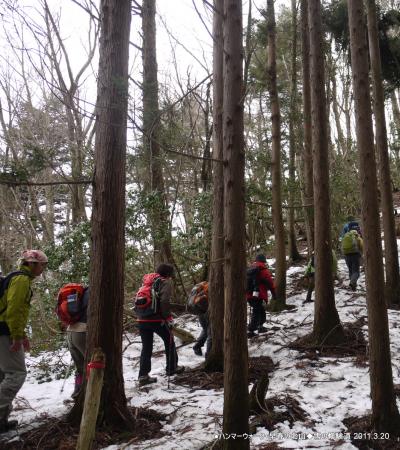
(258, 316)
(311, 287)
(353, 264)
(147, 330)
(205, 334)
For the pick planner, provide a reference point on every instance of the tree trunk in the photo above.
(280, 253)
(341, 141)
(108, 234)
(236, 396)
(327, 326)
(205, 178)
(396, 114)
(73, 117)
(159, 215)
(385, 416)
(294, 254)
(392, 285)
(307, 151)
(396, 130)
(215, 359)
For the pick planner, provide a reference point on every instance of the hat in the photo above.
(34, 256)
(261, 258)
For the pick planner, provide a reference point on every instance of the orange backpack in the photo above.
(198, 298)
(69, 303)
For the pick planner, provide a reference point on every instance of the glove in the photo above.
(170, 323)
(16, 345)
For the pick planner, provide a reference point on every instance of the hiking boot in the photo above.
(307, 301)
(250, 334)
(178, 370)
(78, 385)
(262, 329)
(8, 425)
(353, 286)
(75, 394)
(146, 379)
(197, 350)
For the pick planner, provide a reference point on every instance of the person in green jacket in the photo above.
(309, 274)
(14, 313)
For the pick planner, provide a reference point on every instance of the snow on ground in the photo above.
(329, 390)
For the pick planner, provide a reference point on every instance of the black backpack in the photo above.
(252, 284)
(4, 283)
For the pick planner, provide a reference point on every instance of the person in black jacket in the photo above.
(160, 323)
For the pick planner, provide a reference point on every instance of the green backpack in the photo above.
(350, 243)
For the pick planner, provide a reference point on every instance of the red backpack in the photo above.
(69, 303)
(146, 301)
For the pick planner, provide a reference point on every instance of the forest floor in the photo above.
(317, 398)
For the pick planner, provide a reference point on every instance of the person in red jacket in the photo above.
(259, 282)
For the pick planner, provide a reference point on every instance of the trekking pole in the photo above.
(67, 374)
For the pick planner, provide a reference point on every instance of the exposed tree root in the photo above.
(354, 343)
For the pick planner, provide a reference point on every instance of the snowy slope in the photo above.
(329, 390)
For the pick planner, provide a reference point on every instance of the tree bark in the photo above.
(159, 215)
(392, 284)
(280, 251)
(294, 254)
(215, 359)
(108, 233)
(385, 416)
(206, 174)
(236, 396)
(307, 149)
(327, 327)
(341, 141)
(73, 116)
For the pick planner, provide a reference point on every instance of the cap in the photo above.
(261, 258)
(34, 256)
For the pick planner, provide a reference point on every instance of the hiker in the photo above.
(73, 300)
(259, 281)
(351, 224)
(309, 274)
(198, 304)
(352, 247)
(154, 316)
(14, 312)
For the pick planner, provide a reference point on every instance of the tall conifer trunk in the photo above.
(307, 150)
(385, 416)
(392, 284)
(236, 397)
(280, 251)
(158, 211)
(294, 254)
(215, 359)
(108, 230)
(327, 326)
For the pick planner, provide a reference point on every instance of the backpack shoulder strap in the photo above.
(156, 285)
